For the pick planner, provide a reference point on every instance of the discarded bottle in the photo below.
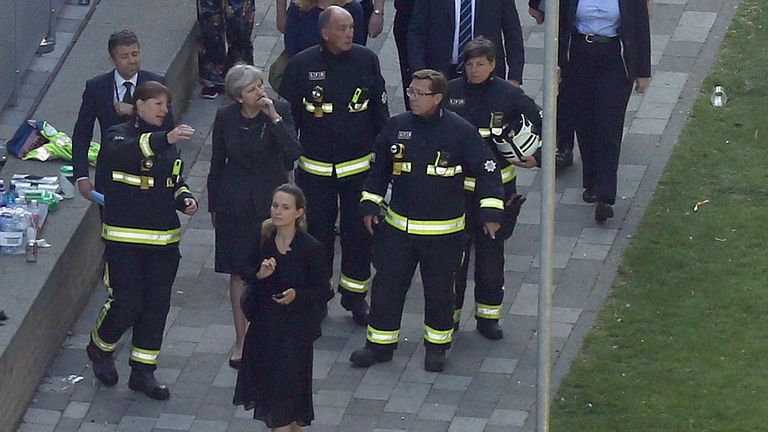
(11, 195)
(719, 98)
(31, 251)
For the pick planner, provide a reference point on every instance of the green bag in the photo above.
(277, 70)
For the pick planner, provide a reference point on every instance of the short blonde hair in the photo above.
(239, 77)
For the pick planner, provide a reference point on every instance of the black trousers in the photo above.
(396, 255)
(138, 282)
(601, 91)
(367, 6)
(489, 263)
(565, 119)
(400, 29)
(329, 198)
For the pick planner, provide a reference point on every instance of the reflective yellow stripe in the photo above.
(180, 191)
(146, 150)
(324, 169)
(457, 315)
(403, 166)
(140, 236)
(508, 174)
(421, 227)
(443, 171)
(355, 166)
(484, 132)
(144, 356)
(487, 311)
(356, 108)
(492, 203)
(439, 337)
(370, 196)
(132, 180)
(353, 285)
(325, 107)
(383, 337)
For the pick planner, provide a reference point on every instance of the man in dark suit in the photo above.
(439, 31)
(108, 98)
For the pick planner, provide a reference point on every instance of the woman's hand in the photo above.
(286, 297)
(267, 106)
(267, 268)
(180, 133)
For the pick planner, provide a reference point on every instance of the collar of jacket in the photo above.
(327, 54)
(478, 87)
(142, 126)
(430, 119)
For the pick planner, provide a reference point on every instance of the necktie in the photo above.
(465, 28)
(127, 97)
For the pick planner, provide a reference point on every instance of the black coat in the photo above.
(432, 25)
(98, 104)
(245, 172)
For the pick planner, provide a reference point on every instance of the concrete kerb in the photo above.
(44, 299)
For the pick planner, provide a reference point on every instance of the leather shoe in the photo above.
(603, 211)
(103, 365)
(143, 380)
(589, 196)
(563, 159)
(235, 363)
(490, 328)
(366, 357)
(435, 361)
(359, 309)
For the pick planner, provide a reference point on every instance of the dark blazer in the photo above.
(98, 104)
(433, 22)
(634, 32)
(245, 172)
(302, 269)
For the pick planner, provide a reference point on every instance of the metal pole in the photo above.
(49, 42)
(544, 341)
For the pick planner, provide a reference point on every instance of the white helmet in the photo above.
(517, 140)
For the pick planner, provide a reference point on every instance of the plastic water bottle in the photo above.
(66, 182)
(12, 233)
(11, 195)
(2, 196)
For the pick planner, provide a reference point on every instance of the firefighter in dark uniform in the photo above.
(339, 102)
(491, 105)
(142, 232)
(425, 154)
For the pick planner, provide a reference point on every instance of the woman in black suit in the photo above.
(283, 306)
(254, 144)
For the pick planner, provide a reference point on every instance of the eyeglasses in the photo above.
(413, 94)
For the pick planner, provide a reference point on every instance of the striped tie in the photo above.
(465, 29)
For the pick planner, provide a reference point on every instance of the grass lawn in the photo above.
(682, 341)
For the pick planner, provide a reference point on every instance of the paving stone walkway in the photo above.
(488, 386)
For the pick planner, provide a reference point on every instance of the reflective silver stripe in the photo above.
(508, 174)
(438, 336)
(144, 356)
(324, 169)
(140, 236)
(487, 311)
(325, 107)
(435, 227)
(383, 336)
(469, 183)
(146, 149)
(370, 196)
(353, 285)
(444, 171)
(492, 203)
(180, 191)
(354, 166)
(131, 179)
(362, 107)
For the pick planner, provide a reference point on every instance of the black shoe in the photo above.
(490, 328)
(435, 361)
(603, 211)
(103, 365)
(359, 309)
(588, 196)
(210, 92)
(143, 380)
(235, 363)
(366, 357)
(563, 159)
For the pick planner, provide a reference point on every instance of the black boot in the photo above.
(490, 328)
(103, 364)
(603, 212)
(366, 357)
(435, 361)
(563, 159)
(359, 309)
(143, 380)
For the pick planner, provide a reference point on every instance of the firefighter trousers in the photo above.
(395, 257)
(138, 282)
(489, 264)
(329, 199)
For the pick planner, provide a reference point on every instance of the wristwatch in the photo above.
(378, 12)
(277, 120)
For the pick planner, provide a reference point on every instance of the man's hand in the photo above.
(371, 222)
(375, 25)
(190, 206)
(85, 187)
(526, 162)
(536, 14)
(641, 84)
(123, 109)
(490, 228)
(180, 133)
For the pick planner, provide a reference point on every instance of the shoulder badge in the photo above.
(403, 135)
(456, 102)
(118, 138)
(316, 75)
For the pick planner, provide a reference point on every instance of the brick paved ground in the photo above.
(488, 386)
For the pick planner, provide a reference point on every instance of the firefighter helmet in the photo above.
(517, 140)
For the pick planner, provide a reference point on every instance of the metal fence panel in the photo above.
(7, 49)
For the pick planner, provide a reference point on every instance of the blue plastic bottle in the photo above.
(10, 196)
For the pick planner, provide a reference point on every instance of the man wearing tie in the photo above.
(108, 98)
(437, 35)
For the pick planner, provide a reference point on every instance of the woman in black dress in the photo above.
(283, 306)
(254, 144)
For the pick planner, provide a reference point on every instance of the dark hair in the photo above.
(268, 227)
(437, 82)
(121, 38)
(479, 47)
(151, 89)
